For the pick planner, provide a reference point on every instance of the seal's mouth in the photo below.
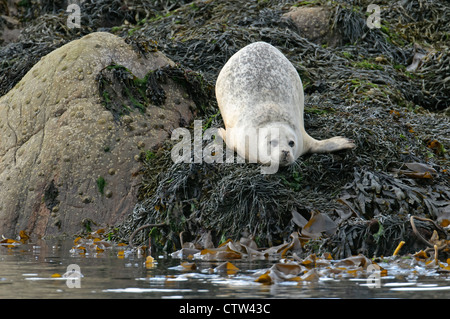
(285, 158)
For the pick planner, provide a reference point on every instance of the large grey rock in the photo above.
(57, 139)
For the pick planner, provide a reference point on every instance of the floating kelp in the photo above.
(287, 263)
(221, 28)
(292, 264)
(433, 75)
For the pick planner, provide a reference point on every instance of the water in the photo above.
(35, 270)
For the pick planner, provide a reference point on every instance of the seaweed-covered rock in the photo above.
(360, 88)
(64, 157)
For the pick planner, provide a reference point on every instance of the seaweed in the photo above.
(379, 237)
(363, 94)
(387, 89)
(101, 183)
(121, 91)
(44, 28)
(227, 199)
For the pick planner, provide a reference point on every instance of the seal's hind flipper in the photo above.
(330, 145)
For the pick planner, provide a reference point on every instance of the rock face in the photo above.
(63, 157)
(9, 29)
(314, 24)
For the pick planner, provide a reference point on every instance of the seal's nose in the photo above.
(284, 157)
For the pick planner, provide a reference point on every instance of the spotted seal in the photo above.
(260, 96)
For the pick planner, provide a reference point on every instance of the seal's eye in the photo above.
(291, 143)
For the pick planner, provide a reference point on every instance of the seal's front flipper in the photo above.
(330, 145)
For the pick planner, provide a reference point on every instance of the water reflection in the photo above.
(37, 271)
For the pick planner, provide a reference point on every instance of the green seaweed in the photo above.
(121, 91)
(101, 183)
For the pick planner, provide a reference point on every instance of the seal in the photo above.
(260, 97)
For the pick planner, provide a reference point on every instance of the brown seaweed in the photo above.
(360, 89)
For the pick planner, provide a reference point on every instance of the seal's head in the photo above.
(278, 143)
